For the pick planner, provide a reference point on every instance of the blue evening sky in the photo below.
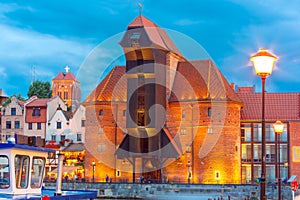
(39, 38)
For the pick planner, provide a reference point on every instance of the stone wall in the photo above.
(176, 191)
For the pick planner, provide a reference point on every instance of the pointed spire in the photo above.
(140, 7)
(141, 21)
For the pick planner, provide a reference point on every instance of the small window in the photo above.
(62, 137)
(209, 130)
(183, 116)
(65, 95)
(101, 131)
(37, 171)
(39, 126)
(118, 173)
(209, 113)
(79, 137)
(5, 172)
(58, 125)
(53, 137)
(29, 126)
(13, 111)
(36, 112)
(22, 171)
(83, 123)
(17, 124)
(101, 148)
(8, 124)
(124, 112)
(182, 132)
(101, 112)
(135, 39)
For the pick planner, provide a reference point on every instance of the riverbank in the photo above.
(174, 191)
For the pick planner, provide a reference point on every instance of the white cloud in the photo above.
(2, 72)
(186, 22)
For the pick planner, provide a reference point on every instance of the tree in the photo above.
(40, 89)
(18, 96)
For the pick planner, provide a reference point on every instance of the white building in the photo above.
(37, 112)
(65, 126)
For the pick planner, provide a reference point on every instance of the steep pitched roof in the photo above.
(283, 106)
(112, 88)
(65, 76)
(158, 37)
(21, 103)
(2, 93)
(39, 102)
(141, 21)
(201, 80)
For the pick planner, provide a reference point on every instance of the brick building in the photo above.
(279, 106)
(67, 87)
(162, 116)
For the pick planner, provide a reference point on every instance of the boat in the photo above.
(22, 170)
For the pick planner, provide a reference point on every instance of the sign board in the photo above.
(292, 178)
(294, 185)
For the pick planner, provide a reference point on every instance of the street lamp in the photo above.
(278, 128)
(263, 62)
(189, 164)
(94, 166)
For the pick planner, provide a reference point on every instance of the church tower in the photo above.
(67, 87)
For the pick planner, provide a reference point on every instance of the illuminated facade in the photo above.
(67, 87)
(279, 106)
(162, 116)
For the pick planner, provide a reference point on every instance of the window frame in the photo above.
(13, 111)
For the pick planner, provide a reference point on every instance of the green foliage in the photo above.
(40, 89)
(18, 96)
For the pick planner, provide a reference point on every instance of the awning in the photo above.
(66, 169)
(74, 147)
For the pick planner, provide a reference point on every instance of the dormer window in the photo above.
(36, 112)
(135, 39)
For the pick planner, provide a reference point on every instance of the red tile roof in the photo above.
(200, 80)
(282, 106)
(65, 76)
(199, 75)
(141, 21)
(155, 34)
(112, 87)
(39, 102)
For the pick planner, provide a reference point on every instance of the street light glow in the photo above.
(263, 62)
(278, 127)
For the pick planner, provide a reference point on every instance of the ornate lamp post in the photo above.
(189, 164)
(278, 128)
(94, 167)
(263, 62)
